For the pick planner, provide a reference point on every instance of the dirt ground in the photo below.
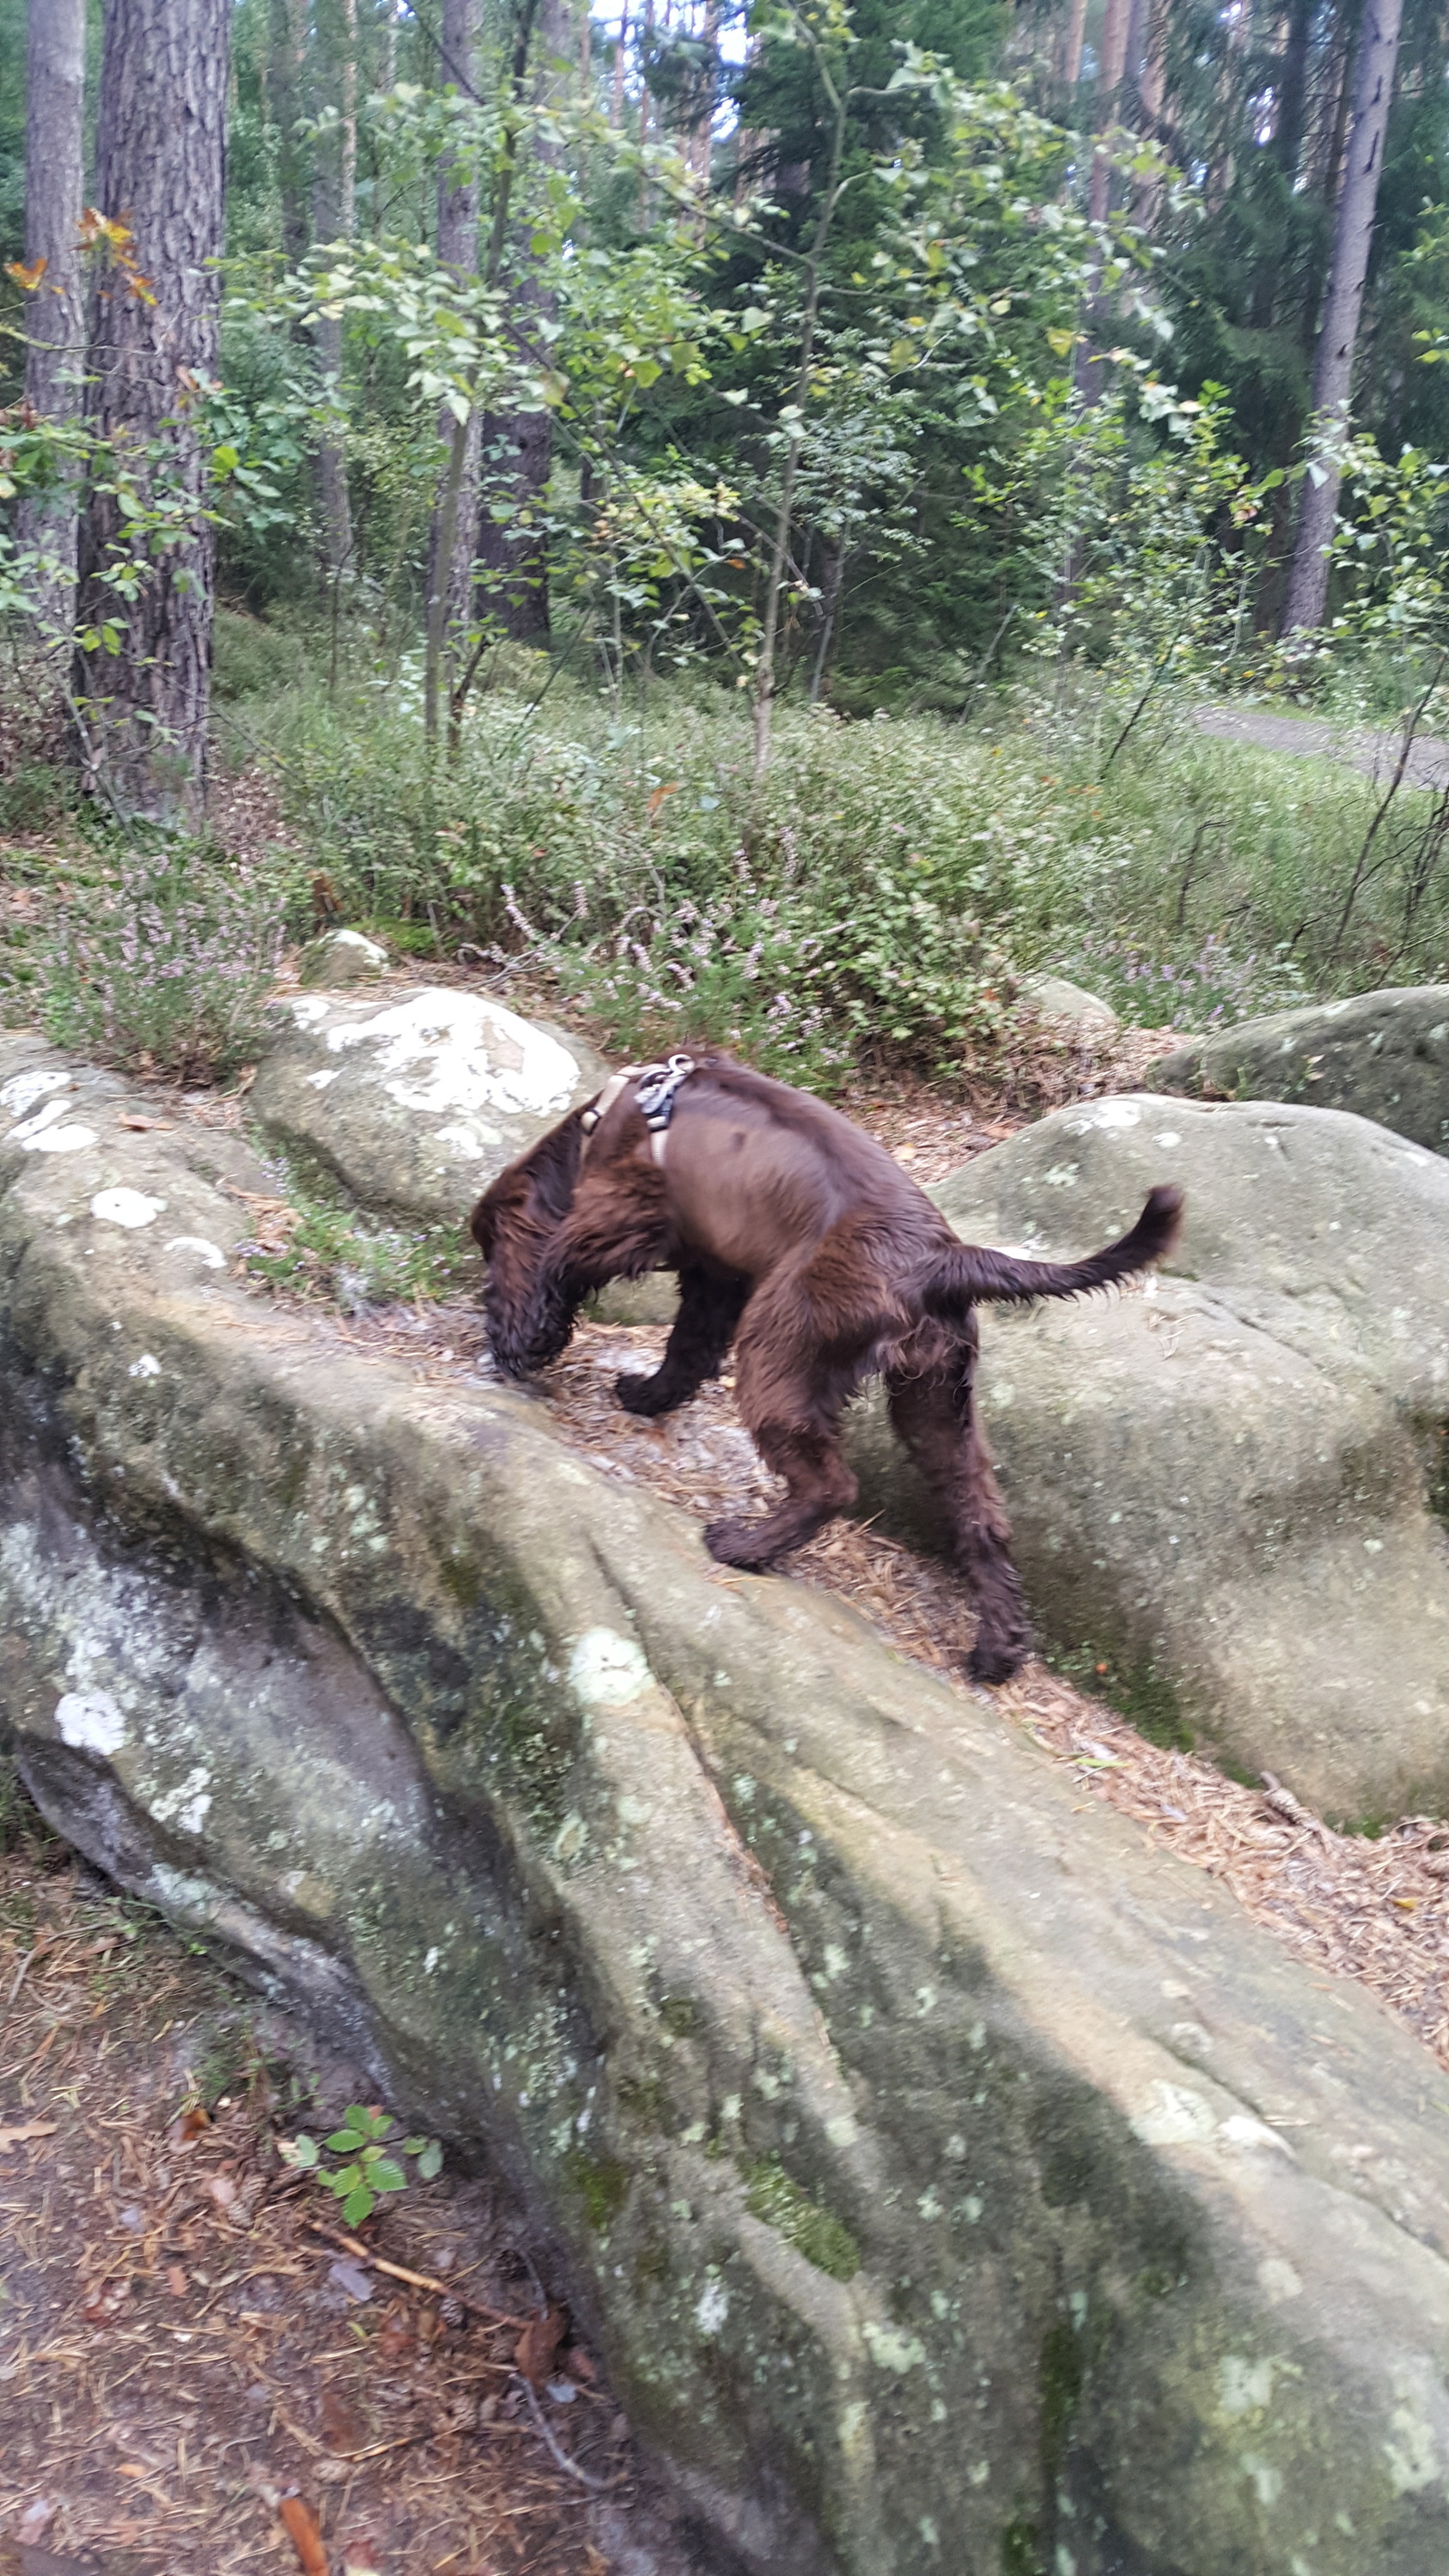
(198, 2374)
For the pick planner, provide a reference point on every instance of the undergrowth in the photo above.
(879, 895)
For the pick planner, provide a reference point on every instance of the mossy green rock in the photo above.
(1382, 1055)
(955, 2183)
(1227, 1483)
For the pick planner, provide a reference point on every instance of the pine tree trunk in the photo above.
(1116, 25)
(517, 451)
(1073, 36)
(141, 712)
(333, 212)
(288, 50)
(1353, 236)
(55, 314)
(457, 504)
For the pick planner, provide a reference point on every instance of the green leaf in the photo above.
(430, 2162)
(413, 2146)
(386, 2176)
(345, 2142)
(300, 2153)
(347, 2178)
(358, 2205)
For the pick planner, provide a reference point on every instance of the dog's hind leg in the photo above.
(790, 1400)
(711, 1303)
(933, 1410)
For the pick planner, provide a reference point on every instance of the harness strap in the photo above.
(656, 1088)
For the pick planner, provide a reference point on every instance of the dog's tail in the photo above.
(971, 1274)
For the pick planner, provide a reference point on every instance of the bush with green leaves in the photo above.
(162, 959)
(370, 2170)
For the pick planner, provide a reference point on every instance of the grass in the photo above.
(876, 899)
(870, 906)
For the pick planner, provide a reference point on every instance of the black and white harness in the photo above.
(656, 1088)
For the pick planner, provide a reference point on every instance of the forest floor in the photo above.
(199, 2372)
(1315, 738)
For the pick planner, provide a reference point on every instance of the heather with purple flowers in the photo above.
(165, 967)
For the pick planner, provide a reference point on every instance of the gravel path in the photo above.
(1309, 738)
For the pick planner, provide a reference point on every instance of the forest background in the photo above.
(725, 518)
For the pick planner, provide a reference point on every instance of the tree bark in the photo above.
(1353, 237)
(55, 318)
(517, 447)
(288, 49)
(455, 514)
(333, 211)
(1073, 35)
(1116, 25)
(142, 711)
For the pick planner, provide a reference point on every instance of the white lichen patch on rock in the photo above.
(90, 1722)
(126, 1207)
(607, 1670)
(23, 1089)
(207, 1252)
(441, 1052)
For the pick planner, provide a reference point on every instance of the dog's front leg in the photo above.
(711, 1303)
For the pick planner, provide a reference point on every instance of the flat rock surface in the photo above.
(946, 2176)
(1382, 1055)
(1226, 1481)
(413, 1100)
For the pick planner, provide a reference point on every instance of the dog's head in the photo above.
(533, 1191)
(512, 1225)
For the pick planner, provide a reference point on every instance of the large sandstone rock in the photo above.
(1068, 1012)
(956, 2183)
(1227, 1484)
(1382, 1055)
(414, 1102)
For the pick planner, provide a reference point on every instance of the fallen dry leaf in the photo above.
(395, 2335)
(176, 2280)
(361, 2555)
(36, 2519)
(342, 2429)
(16, 2135)
(538, 2345)
(304, 2531)
(140, 1125)
(191, 2124)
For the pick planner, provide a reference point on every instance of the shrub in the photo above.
(164, 964)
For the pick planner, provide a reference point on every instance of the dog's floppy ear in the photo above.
(539, 1183)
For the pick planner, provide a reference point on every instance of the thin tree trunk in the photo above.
(1116, 24)
(1292, 117)
(289, 42)
(1073, 37)
(1353, 237)
(333, 215)
(620, 56)
(450, 544)
(764, 689)
(141, 712)
(55, 317)
(517, 447)
(1151, 78)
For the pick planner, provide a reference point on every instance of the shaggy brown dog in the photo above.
(797, 1238)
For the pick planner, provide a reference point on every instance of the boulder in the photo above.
(413, 1103)
(1068, 1012)
(341, 957)
(953, 2181)
(1382, 1055)
(1227, 1484)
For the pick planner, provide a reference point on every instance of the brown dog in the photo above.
(797, 1238)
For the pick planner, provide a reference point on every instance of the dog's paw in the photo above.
(738, 1543)
(994, 1660)
(640, 1394)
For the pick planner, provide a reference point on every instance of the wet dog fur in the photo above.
(799, 1241)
